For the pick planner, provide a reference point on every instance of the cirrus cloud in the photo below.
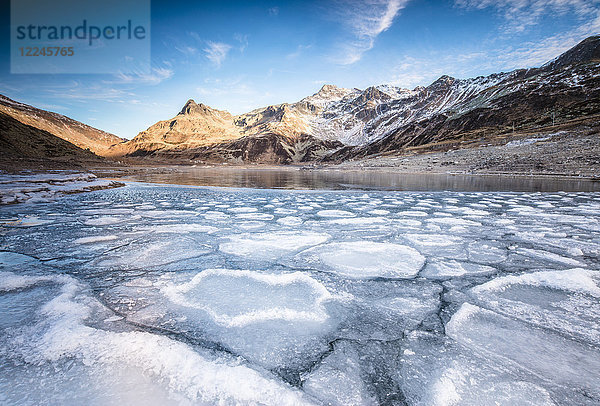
(216, 52)
(366, 20)
(521, 14)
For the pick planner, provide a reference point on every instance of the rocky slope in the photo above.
(22, 145)
(75, 132)
(336, 124)
(195, 126)
(571, 149)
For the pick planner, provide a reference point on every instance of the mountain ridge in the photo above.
(66, 128)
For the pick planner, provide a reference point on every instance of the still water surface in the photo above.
(296, 178)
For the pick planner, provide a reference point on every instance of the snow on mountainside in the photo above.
(328, 94)
(387, 114)
(441, 96)
(455, 109)
(362, 117)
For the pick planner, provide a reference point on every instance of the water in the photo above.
(157, 294)
(297, 178)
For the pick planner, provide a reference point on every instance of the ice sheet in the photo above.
(151, 294)
(538, 351)
(173, 372)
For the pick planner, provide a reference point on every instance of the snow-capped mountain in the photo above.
(385, 118)
(566, 89)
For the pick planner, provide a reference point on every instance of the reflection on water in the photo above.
(295, 178)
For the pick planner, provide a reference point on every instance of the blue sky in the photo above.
(238, 56)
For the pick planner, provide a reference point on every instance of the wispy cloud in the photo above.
(522, 14)
(536, 53)
(218, 87)
(273, 11)
(422, 69)
(366, 20)
(216, 52)
(243, 40)
(187, 50)
(94, 93)
(188, 45)
(415, 71)
(121, 88)
(216, 90)
(156, 76)
(299, 49)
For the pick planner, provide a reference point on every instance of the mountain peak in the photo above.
(587, 51)
(372, 93)
(442, 83)
(331, 91)
(191, 107)
(445, 79)
(327, 93)
(327, 88)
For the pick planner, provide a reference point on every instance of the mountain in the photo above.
(298, 132)
(264, 148)
(336, 124)
(21, 141)
(196, 125)
(76, 133)
(562, 90)
(587, 51)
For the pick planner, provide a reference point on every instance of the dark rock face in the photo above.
(371, 93)
(266, 149)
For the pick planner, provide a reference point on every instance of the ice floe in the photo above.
(449, 268)
(365, 259)
(335, 213)
(542, 352)
(173, 372)
(270, 245)
(235, 298)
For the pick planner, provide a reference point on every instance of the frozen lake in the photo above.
(156, 294)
